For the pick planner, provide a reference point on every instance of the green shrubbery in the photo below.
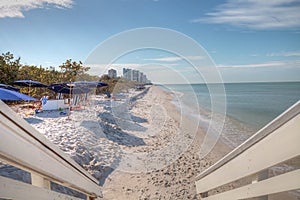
(11, 70)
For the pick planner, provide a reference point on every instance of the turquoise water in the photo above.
(249, 106)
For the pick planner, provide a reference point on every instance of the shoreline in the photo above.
(175, 180)
(234, 131)
(142, 147)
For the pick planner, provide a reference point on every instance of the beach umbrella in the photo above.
(101, 84)
(69, 88)
(9, 87)
(10, 95)
(90, 84)
(29, 83)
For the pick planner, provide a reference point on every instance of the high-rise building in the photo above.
(112, 73)
(127, 73)
(144, 79)
(141, 74)
(135, 75)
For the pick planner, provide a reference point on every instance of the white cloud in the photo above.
(285, 54)
(175, 58)
(288, 64)
(256, 14)
(14, 8)
(165, 59)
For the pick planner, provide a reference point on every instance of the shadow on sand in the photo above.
(52, 114)
(32, 120)
(107, 129)
(129, 122)
(120, 137)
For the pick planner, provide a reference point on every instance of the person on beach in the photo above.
(43, 101)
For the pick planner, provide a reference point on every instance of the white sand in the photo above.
(141, 149)
(137, 149)
(175, 178)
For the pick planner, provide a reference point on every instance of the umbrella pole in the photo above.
(70, 103)
(29, 92)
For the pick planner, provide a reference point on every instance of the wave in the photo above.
(233, 133)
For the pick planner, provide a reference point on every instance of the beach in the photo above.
(176, 179)
(139, 146)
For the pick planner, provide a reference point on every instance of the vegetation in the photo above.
(116, 85)
(11, 70)
(72, 71)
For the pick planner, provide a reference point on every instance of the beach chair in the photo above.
(59, 96)
(76, 103)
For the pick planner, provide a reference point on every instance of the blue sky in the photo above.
(248, 40)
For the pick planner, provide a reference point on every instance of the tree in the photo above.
(9, 68)
(71, 70)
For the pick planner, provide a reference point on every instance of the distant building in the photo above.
(144, 79)
(127, 73)
(135, 75)
(112, 73)
(140, 79)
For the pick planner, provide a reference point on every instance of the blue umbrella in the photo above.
(9, 87)
(102, 84)
(10, 95)
(90, 84)
(29, 83)
(69, 88)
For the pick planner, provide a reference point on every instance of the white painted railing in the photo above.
(275, 143)
(24, 147)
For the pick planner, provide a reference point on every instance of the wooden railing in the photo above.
(24, 147)
(276, 143)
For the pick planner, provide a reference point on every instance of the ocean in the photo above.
(249, 106)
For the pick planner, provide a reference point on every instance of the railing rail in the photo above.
(24, 147)
(275, 143)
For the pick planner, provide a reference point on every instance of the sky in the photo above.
(239, 40)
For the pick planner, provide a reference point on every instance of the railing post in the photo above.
(259, 177)
(39, 181)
